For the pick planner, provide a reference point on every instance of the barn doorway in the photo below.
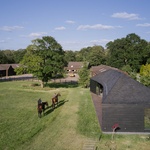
(147, 119)
(99, 89)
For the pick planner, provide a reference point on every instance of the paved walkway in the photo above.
(89, 145)
(97, 101)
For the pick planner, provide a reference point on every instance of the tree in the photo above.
(44, 59)
(96, 56)
(3, 58)
(83, 54)
(70, 56)
(128, 69)
(10, 56)
(137, 48)
(145, 74)
(131, 50)
(18, 55)
(30, 62)
(117, 55)
(84, 76)
(147, 54)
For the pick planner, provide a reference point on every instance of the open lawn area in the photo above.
(68, 127)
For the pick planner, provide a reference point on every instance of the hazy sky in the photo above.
(74, 24)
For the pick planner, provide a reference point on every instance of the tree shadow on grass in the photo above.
(50, 109)
(72, 84)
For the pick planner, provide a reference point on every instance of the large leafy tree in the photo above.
(44, 58)
(84, 76)
(131, 50)
(30, 62)
(117, 54)
(96, 56)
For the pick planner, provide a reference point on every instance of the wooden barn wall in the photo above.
(129, 117)
(2, 73)
(7, 72)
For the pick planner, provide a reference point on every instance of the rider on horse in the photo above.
(39, 102)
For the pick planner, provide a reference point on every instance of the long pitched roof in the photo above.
(120, 88)
(75, 65)
(6, 66)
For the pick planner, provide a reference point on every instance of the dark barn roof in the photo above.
(97, 69)
(119, 88)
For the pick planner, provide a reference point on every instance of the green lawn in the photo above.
(20, 127)
(68, 127)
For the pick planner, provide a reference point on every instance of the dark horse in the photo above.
(41, 108)
(55, 100)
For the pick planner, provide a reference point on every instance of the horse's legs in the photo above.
(57, 103)
(43, 109)
(39, 114)
(53, 104)
(44, 112)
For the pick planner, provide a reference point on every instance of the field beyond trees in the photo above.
(69, 127)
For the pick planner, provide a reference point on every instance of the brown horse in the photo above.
(55, 100)
(41, 108)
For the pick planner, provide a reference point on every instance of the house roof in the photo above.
(75, 65)
(118, 87)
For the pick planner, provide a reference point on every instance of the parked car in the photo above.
(72, 75)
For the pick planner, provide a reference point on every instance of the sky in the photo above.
(75, 24)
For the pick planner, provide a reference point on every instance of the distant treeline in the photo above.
(130, 52)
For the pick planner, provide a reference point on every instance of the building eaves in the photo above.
(119, 88)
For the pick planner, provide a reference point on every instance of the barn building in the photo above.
(120, 100)
(8, 69)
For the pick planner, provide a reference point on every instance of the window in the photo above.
(147, 118)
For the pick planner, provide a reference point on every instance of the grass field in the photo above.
(68, 127)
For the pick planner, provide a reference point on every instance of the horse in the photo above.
(55, 100)
(41, 108)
